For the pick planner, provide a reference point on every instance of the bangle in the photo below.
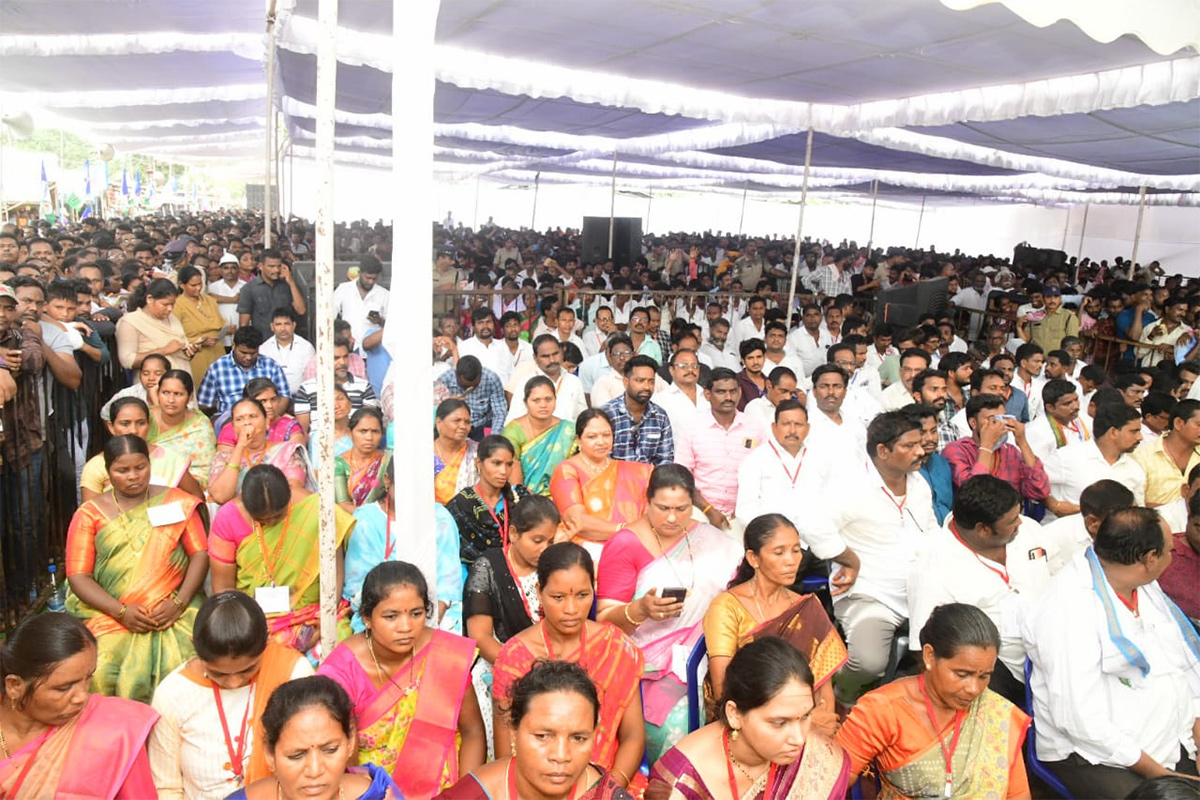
(175, 599)
(121, 613)
(986, 450)
(706, 509)
(232, 466)
(630, 619)
(624, 777)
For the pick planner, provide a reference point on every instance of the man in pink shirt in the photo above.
(713, 447)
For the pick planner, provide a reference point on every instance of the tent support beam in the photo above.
(612, 208)
(323, 424)
(1137, 233)
(649, 202)
(742, 218)
(920, 221)
(874, 201)
(475, 214)
(1082, 231)
(537, 181)
(269, 124)
(799, 229)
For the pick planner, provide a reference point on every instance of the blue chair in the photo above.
(1031, 760)
(695, 700)
(644, 767)
(814, 583)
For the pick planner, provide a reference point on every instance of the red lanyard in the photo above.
(235, 756)
(269, 561)
(899, 504)
(512, 783)
(517, 583)
(947, 753)
(550, 650)
(1003, 573)
(1131, 606)
(733, 790)
(503, 528)
(792, 477)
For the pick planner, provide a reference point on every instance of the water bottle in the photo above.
(57, 600)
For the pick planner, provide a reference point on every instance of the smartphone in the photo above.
(1006, 416)
(675, 594)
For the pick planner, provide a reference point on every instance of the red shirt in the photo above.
(1181, 581)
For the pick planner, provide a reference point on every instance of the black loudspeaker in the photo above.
(627, 240)
(1035, 259)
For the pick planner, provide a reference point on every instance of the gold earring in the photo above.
(734, 733)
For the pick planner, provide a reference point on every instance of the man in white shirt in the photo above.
(565, 329)
(776, 478)
(1116, 665)
(864, 378)
(1117, 431)
(834, 433)
(1061, 425)
(1028, 376)
(777, 355)
(1067, 537)
(362, 300)
(716, 346)
(569, 401)
(974, 296)
(517, 350)
(859, 401)
(781, 386)
(811, 340)
(751, 326)
(986, 556)
(883, 509)
(226, 292)
(290, 351)
(684, 399)
(912, 361)
(492, 353)
(595, 337)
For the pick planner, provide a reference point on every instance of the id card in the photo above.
(273, 599)
(165, 514)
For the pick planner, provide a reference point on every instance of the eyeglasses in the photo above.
(621, 353)
(686, 367)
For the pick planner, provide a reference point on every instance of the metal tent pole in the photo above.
(268, 147)
(612, 208)
(1083, 230)
(799, 228)
(649, 202)
(475, 217)
(323, 424)
(874, 201)
(537, 181)
(1137, 234)
(920, 221)
(742, 218)
(1066, 230)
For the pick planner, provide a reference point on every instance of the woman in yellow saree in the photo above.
(455, 466)
(200, 316)
(943, 733)
(182, 430)
(410, 685)
(541, 439)
(136, 558)
(265, 544)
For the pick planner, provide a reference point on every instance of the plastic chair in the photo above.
(694, 691)
(899, 650)
(644, 767)
(814, 583)
(1031, 760)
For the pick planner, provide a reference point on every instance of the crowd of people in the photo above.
(890, 548)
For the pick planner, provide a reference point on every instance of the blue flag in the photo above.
(124, 182)
(137, 183)
(44, 171)
(87, 211)
(87, 177)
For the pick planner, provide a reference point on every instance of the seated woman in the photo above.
(406, 677)
(177, 426)
(758, 603)
(541, 439)
(455, 462)
(763, 747)
(598, 495)
(614, 663)
(482, 511)
(309, 738)
(199, 749)
(265, 544)
(136, 558)
(252, 448)
(281, 426)
(435, 553)
(167, 468)
(552, 720)
(342, 409)
(356, 471)
(943, 733)
(59, 740)
(656, 580)
(145, 389)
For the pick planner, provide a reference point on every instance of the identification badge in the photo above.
(273, 599)
(165, 514)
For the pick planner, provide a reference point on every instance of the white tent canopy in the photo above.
(913, 93)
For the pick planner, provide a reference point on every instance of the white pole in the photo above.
(270, 122)
(874, 201)
(291, 177)
(409, 333)
(649, 202)
(475, 218)
(612, 208)
(1083, 230)
(1137, 234)
(920, 220)
(537, 179)
(322, 427)
(799, 228)
(1066, 230)
(742, 218)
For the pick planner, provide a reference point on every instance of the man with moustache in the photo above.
(493, 354)
(641, 429)
(935, 469)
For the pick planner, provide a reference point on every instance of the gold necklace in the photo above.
(383, 675)
(738, 764)
(591, 468)
(4, 745)
(123, 510)
(761, 616)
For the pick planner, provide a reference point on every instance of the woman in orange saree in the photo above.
(60, 741)
(136, 558)
(410, 685)
(613, 662)
(943, 733)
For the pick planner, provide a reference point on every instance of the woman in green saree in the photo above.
(265, 544)
(136, 558)
(183, 430)
(542, 440)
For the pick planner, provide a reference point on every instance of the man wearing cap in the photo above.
(227, 291)
(1057, 322)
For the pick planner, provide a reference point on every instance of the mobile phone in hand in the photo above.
(675, 594)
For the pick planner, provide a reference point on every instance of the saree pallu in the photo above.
(987, 762)
(611, 659)
(451, 477)
(296, 560)
(357, 486)
(821, 773)
(703, 561)
(408, 730)
(193, 438)
(617, 494)
(542, 454)
(201, 320)
(469, 788)
(804, 625)
(290, 458)
(100, 753)
(137, 563)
